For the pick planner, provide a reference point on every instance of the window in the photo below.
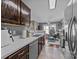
(46, 29)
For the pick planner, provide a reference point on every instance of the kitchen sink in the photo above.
(36, 35)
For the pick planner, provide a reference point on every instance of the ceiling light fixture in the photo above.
(52, 4)
(71, 2)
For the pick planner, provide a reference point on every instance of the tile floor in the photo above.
(52, 51)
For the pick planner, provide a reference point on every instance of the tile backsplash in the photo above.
(16, 31)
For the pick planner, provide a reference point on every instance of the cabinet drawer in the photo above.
(25, 14)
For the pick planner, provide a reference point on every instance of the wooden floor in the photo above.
(52, 51)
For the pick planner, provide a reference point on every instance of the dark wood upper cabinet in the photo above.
(9, 11)
(25, 14)
(14, 12)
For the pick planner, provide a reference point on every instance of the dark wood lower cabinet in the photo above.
(23, 53)
(39, 46)
(41, 43)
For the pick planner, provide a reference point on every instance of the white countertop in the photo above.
(18, 44)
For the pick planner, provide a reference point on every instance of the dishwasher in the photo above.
(33, 50)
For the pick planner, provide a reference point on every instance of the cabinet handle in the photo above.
(21, 53)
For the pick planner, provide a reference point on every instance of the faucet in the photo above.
(9, 31)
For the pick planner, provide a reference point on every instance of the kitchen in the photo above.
(31, 29)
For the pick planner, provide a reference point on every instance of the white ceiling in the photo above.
(42, 13)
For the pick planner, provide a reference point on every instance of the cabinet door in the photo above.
(23, 53)
(39, 45)
(43, 41)
(25, 14)
(10, 11)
